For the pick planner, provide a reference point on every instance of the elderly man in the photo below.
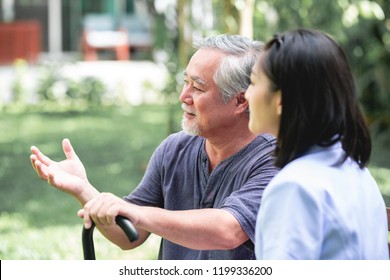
(203, 185)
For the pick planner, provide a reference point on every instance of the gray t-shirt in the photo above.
(177, 178)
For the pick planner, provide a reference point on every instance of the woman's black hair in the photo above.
(319, 97)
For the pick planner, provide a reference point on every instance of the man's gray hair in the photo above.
(233, 74)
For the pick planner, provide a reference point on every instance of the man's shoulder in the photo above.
(178, 142)
(266, 139)
(263, 144)
(182, 137)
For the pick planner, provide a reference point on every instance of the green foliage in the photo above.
(48, 77)
(368, 48)
(18, 85)
(91, 90)
(56, 88)
(362, 28)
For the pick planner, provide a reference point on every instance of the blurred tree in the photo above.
(226, 16)
(234, 16)
(363, 29)
(184, 42)
(361, 26)
(369, 51)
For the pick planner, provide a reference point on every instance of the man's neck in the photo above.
(221, 147)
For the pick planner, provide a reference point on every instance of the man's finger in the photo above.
(87, 220)
(33, 159)
(41, 170)
(40, 156)
(80, 213)
(68, 149)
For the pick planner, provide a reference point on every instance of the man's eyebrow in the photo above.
(196, 79)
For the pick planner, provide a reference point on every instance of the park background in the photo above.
(116, 112)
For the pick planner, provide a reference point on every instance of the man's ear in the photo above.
(241, 101)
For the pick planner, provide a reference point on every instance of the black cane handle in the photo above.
(87, 236)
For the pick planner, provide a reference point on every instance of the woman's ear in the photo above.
(278, 97)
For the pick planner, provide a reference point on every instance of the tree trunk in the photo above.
(229, 17)
(182, 24)
(246, 19)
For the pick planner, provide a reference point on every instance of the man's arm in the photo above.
(200, 229)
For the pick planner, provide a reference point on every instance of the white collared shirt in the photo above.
(315, 210)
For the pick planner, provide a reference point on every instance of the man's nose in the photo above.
(185, 95)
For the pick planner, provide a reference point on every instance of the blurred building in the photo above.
(29, 28)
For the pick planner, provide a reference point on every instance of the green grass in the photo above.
(39, 222)
(115, 144)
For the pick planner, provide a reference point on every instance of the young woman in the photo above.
(323, 204)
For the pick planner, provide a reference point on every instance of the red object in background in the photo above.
(20, 40)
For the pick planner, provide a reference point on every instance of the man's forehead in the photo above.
(203, 65)
(195, 78)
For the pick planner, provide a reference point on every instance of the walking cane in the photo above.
(87, 236)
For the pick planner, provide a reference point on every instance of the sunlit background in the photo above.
(107, 74)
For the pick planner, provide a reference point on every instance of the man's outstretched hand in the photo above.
(67, 175)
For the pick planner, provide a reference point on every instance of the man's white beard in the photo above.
(190, 129)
